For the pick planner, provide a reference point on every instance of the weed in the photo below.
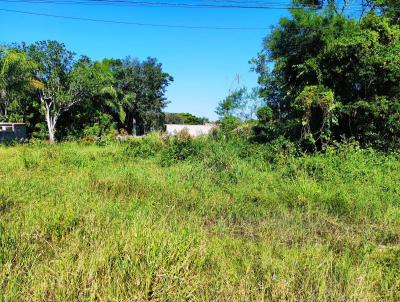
(176, 219)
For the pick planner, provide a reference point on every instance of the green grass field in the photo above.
(131, 222)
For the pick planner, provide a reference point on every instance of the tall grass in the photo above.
(200, 220)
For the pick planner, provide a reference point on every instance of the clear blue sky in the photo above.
(203, 63)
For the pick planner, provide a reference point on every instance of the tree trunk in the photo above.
(51, 123)
(5, 109)
(3, 103)
(51, 135)
(51, 128)
(134, 127)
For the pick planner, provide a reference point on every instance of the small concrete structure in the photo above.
(12, 131)
(194, 130)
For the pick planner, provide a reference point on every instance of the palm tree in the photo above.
(15, 77)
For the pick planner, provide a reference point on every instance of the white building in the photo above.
(12, 131)
(194, 130)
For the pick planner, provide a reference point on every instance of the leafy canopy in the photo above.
(329, 76)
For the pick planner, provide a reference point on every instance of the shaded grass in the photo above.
(223, 223)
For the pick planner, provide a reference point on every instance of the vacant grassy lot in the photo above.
(201, 221)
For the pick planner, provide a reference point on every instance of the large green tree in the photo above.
(141, 88)
(59, 95)
(53, 80)
(131, 98)
(326, 76)
(62, 81)
(184, 118)
(99, 112)
(15, 80)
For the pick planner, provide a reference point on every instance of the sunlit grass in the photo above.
(108, 223)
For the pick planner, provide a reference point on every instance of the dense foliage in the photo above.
(325, 77)
(184, 118)
(55, 93)
(217, 218)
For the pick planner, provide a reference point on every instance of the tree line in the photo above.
(184, 118)
(327, 76)
(59, 95)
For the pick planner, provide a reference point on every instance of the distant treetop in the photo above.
(184, 118)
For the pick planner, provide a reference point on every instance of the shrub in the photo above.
(89, 140)
(228, 125)
(180, 147)
(37, 142)
(93, 130)
(145, 147)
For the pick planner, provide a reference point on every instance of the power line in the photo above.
(131, 23)
(220, 2)
(259, 5)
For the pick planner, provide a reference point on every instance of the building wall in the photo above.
(10, 131)
(194, 130)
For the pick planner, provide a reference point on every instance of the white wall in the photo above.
(194, 130)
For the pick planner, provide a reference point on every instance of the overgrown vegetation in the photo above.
(334, 76)
(198, 219)
(184, 118)
(61, 96)
(327, 74)
(298, 204)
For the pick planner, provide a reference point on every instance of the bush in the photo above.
(38, 142)
(228, 125)
(145, 147)
(93, 130)
(89, 140)
(180, 147)
(243, 132)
